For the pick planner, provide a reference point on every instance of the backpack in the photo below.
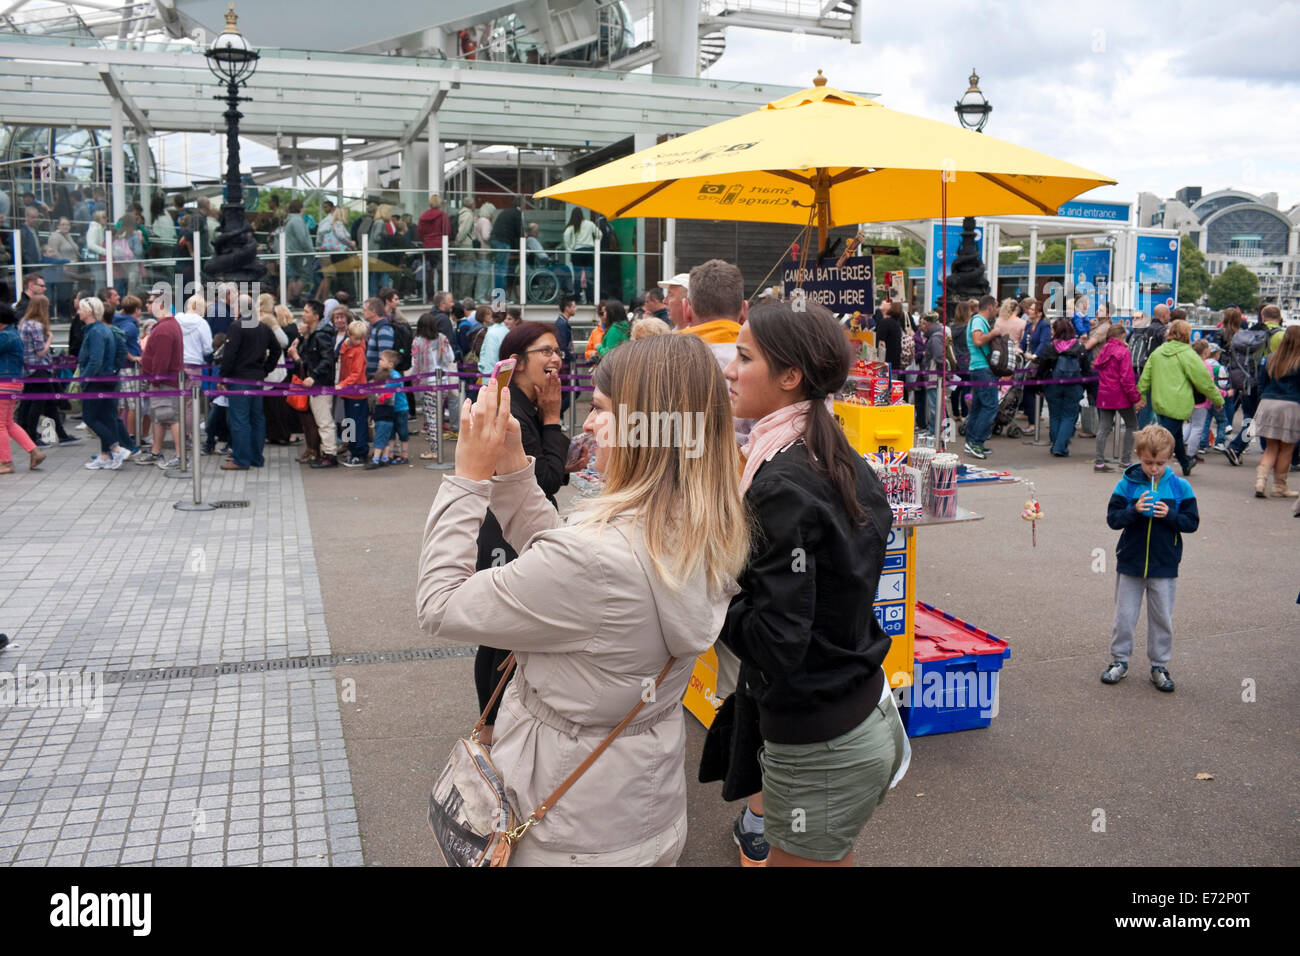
(1067, 366)
(1245, 355)
(998, 352)
(1141, 343)
(119, 349)
(403, 336)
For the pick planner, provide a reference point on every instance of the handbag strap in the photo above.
(545, 806)
(507, 665)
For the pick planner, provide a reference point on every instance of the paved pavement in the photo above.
(165, 623)
(331, 764)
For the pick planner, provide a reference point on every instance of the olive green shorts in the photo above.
(818, 797)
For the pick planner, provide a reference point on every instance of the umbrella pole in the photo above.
(822, 200)
(942, 398)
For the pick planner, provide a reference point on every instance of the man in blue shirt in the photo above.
(381, 333)
(983, 398)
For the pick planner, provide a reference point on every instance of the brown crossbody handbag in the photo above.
(471, 818)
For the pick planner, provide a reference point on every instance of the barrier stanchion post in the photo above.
(364, 292)
(197, 503)
(1038, 419)
(573, 398)
(438, 465)
(284, 271)
(180, 471)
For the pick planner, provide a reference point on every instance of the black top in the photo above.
(509, 226)
(316, 355)
(890, 333)
(550, 446)
(250, 353)
(803, 627)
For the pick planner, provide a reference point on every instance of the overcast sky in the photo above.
(1156, 95)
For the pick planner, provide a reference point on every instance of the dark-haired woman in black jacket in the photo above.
(803, 626)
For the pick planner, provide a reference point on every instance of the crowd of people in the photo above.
(1101, 371)
(71, 240)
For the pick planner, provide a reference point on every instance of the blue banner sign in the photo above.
(1090, 270)
(1155, 271)
(936, 257)
(1103, 211)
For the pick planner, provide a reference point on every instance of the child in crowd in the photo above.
(1218, 416)
(1154, 508)
(390, 414)
(352, 372)
(1201, 413)
(217, 429)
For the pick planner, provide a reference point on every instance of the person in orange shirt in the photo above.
(356, 417)
(598, 332)
(715, 307)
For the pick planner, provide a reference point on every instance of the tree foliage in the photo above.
(1193, 277)
(1235, 285)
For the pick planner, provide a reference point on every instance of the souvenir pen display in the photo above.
(943, 485)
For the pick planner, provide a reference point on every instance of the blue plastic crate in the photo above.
(954, 676)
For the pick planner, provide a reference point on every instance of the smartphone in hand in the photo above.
(501, 373)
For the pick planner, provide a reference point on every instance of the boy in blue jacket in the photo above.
(1154, 508)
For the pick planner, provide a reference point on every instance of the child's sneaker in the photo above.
(753, 846)
(1160, 677)
(1115, 673)
(373, 463)
(1101, 466)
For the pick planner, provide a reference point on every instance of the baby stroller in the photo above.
(1012, 397)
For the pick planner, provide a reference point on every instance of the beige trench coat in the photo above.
(592, 626)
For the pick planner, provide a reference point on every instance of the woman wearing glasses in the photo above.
(535, 403)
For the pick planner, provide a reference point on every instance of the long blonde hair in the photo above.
(266, 309)
(282, 315)
(38, 310)
(674, 489)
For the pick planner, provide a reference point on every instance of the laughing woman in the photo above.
(803, 625)
(648, 606)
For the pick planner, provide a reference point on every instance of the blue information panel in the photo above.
(936, 257)
(1156, 272)
(1090, 269)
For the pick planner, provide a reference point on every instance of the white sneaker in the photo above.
(165, 464)
(97, 463)
(120, 455)
(81, 426)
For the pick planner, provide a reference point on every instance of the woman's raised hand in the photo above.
(483, 428)
(549, 399)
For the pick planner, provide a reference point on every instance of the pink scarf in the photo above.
(771, 435)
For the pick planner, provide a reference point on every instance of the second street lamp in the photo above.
(233, 62)
(966, 275)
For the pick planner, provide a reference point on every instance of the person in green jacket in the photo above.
(617, 328)
(1173, 376)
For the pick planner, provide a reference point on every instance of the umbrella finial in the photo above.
(819, 80)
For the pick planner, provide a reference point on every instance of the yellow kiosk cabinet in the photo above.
(869, 429)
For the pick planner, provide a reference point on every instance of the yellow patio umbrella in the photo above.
(831, 158)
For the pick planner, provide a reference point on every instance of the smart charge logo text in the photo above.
(77, 909)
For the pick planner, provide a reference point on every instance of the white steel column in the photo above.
(284, 272)
(677, 37)
(435, 155)
(117, 154)
(523, 272)
(670, 253)
(1033, 261)
(993, 237)
(144, 160)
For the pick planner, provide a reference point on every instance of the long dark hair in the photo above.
(814, 343)
(614, 313)
(575, 220)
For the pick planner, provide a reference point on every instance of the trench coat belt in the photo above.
(532, 702)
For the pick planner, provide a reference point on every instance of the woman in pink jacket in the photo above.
(1116, 392)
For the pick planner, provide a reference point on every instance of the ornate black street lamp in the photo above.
(973, 109)
(233, 62)
(966, 276)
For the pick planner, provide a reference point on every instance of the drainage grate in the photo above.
(287, 663)
(229, 504)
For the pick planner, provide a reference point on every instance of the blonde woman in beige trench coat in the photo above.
(586, 656)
